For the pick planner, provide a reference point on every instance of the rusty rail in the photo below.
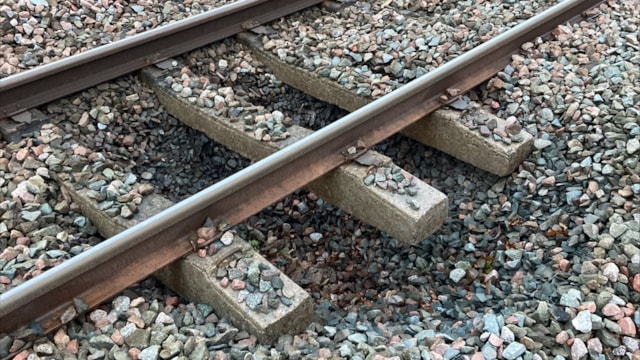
(52, 81)
(92, 277)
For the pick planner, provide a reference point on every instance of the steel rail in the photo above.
(52, 81)
(114, 264)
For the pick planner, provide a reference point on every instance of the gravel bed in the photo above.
(373, 47)
(35, 32)
(542, 264)
(40, 226)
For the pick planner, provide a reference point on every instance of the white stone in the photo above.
(582, 322)
(541, 143)
(227, 238)
(633, 146)
(457, 274)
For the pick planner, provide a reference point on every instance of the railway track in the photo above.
(78, 284)
(75, 73)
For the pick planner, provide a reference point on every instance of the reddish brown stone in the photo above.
(38, 150)
(128, 140)
(117, 338)
(562, 337)
(206, 233)
(250, 341)
(627, 327)
(81, 151)
(238, 284)
(173, 301)
(495, 340)
(61, 339)
(99, 318)
(137, 321)
(9, 254)
(22, 154)
(394, 339)
(612, 311)
(137, 301)
(635, 283)
(564, 265)
(72, 346)
(134, 353)
(21, 356)
(220, 355)
(84, 119)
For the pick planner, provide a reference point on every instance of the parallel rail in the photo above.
(52, 81)
(103, 271)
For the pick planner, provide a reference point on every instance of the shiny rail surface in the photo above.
(103, 271)
(52, 81)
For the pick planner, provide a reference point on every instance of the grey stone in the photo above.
(357, 338)
(31, 215)
(630, 237)
(5, 345)
(170, 349)
(541, 143)
(163, 318)
(253, 275)
(121, 304)
(139, 338)
(631, 344)
(616, 229)
(456, 275)
(200, 352)
(253, 300)
(97, 355)
(571, 298)
(591, 230)
(507, 335)
(45, 348)
(542, 314)
(631, 250)
(101, 341)
(150, 353)
(489, 351)
(158, 336)
(346, 350)
(36, 185)
(513, 350)
(491, 324)
(120, 355)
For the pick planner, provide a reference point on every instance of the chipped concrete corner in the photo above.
(195, 277)
(445, 131)
(387, 211)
